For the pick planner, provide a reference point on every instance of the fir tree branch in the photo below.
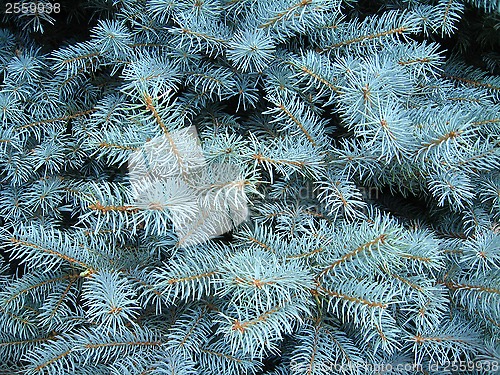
(348, 256)
(18, 242)
(62, 118)
(291, 10)
(357, 300)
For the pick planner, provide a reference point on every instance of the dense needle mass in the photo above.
(237, 187)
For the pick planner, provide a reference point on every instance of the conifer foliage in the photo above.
(347, 148)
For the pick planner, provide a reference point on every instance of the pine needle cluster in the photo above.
(250, 187)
